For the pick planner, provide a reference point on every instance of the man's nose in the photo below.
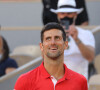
(53, 41)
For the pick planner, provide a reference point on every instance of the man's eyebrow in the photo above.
(47, 36)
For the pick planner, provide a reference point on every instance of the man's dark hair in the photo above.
(5, 49)
(50, 26)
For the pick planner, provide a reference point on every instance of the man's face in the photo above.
(53, 45)
(66, 19)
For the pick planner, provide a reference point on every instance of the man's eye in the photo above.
(57, 38)
(48, 38)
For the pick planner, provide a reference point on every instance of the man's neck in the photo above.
(54, 68)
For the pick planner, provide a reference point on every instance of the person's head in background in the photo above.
(67, 11)
(4, 49)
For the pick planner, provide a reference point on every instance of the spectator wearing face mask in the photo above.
(48, 16)
(81, 42)
(7, 64)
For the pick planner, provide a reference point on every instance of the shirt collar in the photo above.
(45, 74)
(67, 74)
(43, 71)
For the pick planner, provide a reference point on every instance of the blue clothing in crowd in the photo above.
(7, 64)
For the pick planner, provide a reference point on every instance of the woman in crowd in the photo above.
(6, 63)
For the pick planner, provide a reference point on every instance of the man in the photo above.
(52, 74)
(48, 16)
(81, 42)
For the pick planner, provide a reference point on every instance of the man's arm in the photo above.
(8, 70)
(88, 52)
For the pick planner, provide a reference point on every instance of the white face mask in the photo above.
(0, 57)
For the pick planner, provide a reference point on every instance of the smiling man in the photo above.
(52, 74)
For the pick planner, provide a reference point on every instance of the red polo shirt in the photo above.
(39, 79)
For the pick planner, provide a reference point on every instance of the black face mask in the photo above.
(66, 22)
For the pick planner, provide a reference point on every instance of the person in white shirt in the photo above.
(81, 48)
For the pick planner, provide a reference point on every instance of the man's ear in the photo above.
(41, 47)
(66, 45)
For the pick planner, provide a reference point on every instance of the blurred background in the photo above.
(21, 23)
(20, 14)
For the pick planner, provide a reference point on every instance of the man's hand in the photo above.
(72, 31)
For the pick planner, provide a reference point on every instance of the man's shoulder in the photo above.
(82, 30)
(26, 79)
(76, 76)
(28, 76)
(84, 33)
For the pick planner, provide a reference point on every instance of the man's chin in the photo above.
(53, 56)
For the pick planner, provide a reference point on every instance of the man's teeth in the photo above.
(53, 49)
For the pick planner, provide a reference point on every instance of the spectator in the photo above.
(7, 64)
(81, 42)
(82, 18)
(52, 74)
(48, 16)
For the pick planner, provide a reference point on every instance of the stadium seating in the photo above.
(94, 82)
(24, 54)
(97, 63)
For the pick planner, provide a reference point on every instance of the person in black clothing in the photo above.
(7, 64)
(48, 16)
(82, 18)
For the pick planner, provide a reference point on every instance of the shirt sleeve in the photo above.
(86, 37)
(11, 63)
(89, 39)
